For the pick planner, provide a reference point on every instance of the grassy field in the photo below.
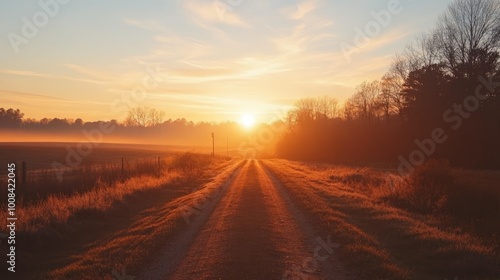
(41, 156)
(436, 221)
(65, 168)
(56, 217)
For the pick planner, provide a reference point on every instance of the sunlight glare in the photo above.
(247, 120)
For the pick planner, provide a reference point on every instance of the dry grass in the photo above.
(144, 237)
(103, 166)
(111, 225)
(55, 211)
(51, 213)
(44, 183)
(382, 236)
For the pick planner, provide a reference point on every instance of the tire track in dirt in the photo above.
(254, 232)
(319, 264)
(237, 241)
(175, 250)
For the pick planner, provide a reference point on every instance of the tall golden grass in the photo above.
(41, 184)
(438, 219)
(96, 190)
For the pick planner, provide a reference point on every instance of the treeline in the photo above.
(142, 125)
(439, 98)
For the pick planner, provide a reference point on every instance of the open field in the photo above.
(224, 218)
(42, 155)
(51, 224)
(67, 168)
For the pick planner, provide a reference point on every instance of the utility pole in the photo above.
(213, 145)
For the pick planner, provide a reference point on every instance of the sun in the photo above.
(247, 120)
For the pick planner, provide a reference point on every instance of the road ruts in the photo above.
(253, 232)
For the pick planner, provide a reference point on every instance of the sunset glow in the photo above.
(250, 139)
(247, 120)
(194, 59)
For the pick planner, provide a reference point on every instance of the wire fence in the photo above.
(38, 180)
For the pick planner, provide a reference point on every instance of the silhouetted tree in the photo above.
(309, 110)
(424, 93)
(144, 116)
(10, 118)
(466, 27)
(365, 104)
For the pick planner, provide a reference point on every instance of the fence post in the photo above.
(159, 167)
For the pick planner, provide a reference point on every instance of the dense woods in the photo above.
(444, 85)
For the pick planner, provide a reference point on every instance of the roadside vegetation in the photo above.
(144, 233)
(436, 223)
(91, 190)
(64, 221)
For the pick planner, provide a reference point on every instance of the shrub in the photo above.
(436, 187)
(429, 186)
(363, 178)
(192, 165)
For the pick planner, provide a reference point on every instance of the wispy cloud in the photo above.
(207, 11)
(24, 98)
(299, 11)
(23, 73)
(216, 59)
(97, 75)
(31, 95)
(379, 42)
(34, 74)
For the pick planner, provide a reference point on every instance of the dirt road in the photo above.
(251, 230)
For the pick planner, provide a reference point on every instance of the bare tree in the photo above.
(326, 107)
(468, 26)
(365, 104)
(308, 110)
(155, 117)
(303, 112)
(391, 94)
(144, 116)
(422, 52)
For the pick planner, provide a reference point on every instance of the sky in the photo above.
(203, 60)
